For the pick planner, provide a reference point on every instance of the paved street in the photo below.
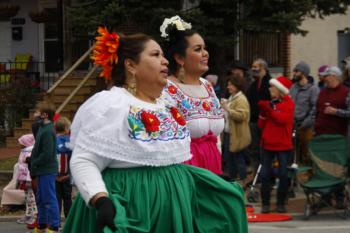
(12, 227)
(9, 226)
(323, 223)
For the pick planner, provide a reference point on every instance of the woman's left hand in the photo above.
(105, 214)
(224, 104)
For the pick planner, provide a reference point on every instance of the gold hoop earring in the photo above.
(181, 74)
(131, 84)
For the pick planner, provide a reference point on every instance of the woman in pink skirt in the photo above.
(191, 94)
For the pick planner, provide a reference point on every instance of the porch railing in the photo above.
(34, 71)
(70, 70)
(10, 72)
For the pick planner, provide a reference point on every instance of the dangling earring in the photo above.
(131, 84)
(181, 74)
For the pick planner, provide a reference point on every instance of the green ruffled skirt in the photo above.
(178, 198)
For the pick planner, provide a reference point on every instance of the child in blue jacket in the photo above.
(63, 183)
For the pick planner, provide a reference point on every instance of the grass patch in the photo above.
(16, 210)
(7, 164)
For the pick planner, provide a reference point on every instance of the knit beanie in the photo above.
(26, 140)
(283, 84)
(321, 70)
(333, 70)
(302, 67)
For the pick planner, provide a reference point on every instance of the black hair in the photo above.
(130, 47)
(177, 43)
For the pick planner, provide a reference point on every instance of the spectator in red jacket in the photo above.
(276, 123)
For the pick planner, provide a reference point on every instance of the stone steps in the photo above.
(58, 96)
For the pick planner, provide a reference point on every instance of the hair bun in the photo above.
(173, 25)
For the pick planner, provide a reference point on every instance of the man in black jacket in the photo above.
(258, 90)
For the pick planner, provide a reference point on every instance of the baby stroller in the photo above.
(330, 157)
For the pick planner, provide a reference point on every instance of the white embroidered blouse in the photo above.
(115, 129)
(198, 104)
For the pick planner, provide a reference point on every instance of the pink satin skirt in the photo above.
(205, 153)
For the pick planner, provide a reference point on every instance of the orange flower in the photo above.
(150, 121)
(177, 116)
(105, 51)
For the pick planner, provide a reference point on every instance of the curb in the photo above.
(10, 218)
(13, 218)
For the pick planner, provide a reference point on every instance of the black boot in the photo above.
(265, 197)
(281, 209)
(265, 209)
(281, 201)
(281, 197)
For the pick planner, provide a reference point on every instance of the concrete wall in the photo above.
(320, 45)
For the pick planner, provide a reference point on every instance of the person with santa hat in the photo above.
(276, 123)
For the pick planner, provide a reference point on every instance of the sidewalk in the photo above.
(295, 205)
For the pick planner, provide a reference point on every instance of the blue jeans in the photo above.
(48, 212)
(266, 172)
(237, 165)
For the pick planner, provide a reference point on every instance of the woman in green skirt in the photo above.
(128, 152)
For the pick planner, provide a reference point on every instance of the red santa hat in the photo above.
(283, 84)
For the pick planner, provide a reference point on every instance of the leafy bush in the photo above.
(15, 103)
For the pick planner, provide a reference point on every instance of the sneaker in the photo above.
(30, 220)
(265, 209)
(33, 224)
(51, 231)
(36, 230)
(23, 220)
(281, 209)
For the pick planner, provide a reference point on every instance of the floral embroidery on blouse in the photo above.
(194, 108)
(146, 125)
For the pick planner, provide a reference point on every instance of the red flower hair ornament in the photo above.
(105, 51)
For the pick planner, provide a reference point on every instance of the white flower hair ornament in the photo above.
(176, 21)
